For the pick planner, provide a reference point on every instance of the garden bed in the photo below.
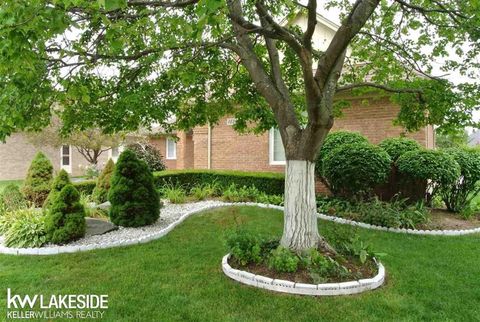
(289, 285)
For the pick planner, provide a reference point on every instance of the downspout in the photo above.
(209, 147)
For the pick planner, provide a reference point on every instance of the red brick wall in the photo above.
(160, 145)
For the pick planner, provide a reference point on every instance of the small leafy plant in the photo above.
(27, 229)
(244, 246)
(175, 194)
(283, 260)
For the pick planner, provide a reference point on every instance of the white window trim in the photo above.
(67, 168)
(167, 156)
(271, 153)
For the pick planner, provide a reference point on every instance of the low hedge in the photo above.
(86, 186)
(269, 182)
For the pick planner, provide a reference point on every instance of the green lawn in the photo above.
(178, 278)
(5, 183)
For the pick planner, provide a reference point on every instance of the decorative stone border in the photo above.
(400, 230)
(53, 250)
(328, 289)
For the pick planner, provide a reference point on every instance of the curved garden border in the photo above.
(149, 237)
(328, 289)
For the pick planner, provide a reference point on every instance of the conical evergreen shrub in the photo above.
(135, 202)
(100, 192)
(60, 181)
(65, 219)
(38, 181)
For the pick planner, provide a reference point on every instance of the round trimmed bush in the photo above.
(457, 196)
(100, 192)
(60, 181)
(353, 170)
(39, 177)
(149, 154)
(135, 202)
(439, 168)
(395, 147)
(12, 198)
(65, 219)
(333, 141)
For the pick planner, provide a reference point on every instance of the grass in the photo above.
(5, 183)
(178, 277)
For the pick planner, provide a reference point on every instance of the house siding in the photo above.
(17, 153)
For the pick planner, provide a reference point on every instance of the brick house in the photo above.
(220, 147)
(17, 153)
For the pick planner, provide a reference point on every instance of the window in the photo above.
(277, 152)
(66, 158)
(171, 149)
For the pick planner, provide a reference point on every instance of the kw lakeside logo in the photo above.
(65, 306)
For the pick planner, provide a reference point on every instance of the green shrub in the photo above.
(283, 260)
(135, 202)
(86, 186)
(59, 182)
(149, 154)
(240, 194)
(269, 182)
(244, 247)
(27, 229)
(458, 195)
(65, 218)
(100, 193)
(12, 198)
(439, 168)
(333, 141)
(174, 194)
(91, 171)
(270, 199)
(395, 147)
(353, 170)
(39, 177)
(203, 192)
(395, 214)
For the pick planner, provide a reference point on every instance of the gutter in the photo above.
(209, 146)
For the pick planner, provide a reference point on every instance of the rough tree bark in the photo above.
(300, 230)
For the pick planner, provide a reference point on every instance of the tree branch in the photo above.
(312, 22)
(379, 86)
(361, 11)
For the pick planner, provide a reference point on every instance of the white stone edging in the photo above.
(53, 250)
(327, 289)
(449, 232)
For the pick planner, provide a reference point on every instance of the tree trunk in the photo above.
(300, 230)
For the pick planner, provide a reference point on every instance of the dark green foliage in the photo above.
(39, 177)
(459, 194)
(65, 219)
(86, 186)
(244, 246)
(149, 154)
(333, 141)
(12, 198)
(353, 170)
(135, 202)
(439, 168)
(60, 181)
(268, 182)
(395, 147)
(100, 193)
(283, 260)
(395, 214)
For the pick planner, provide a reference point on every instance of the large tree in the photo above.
(120, 64)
